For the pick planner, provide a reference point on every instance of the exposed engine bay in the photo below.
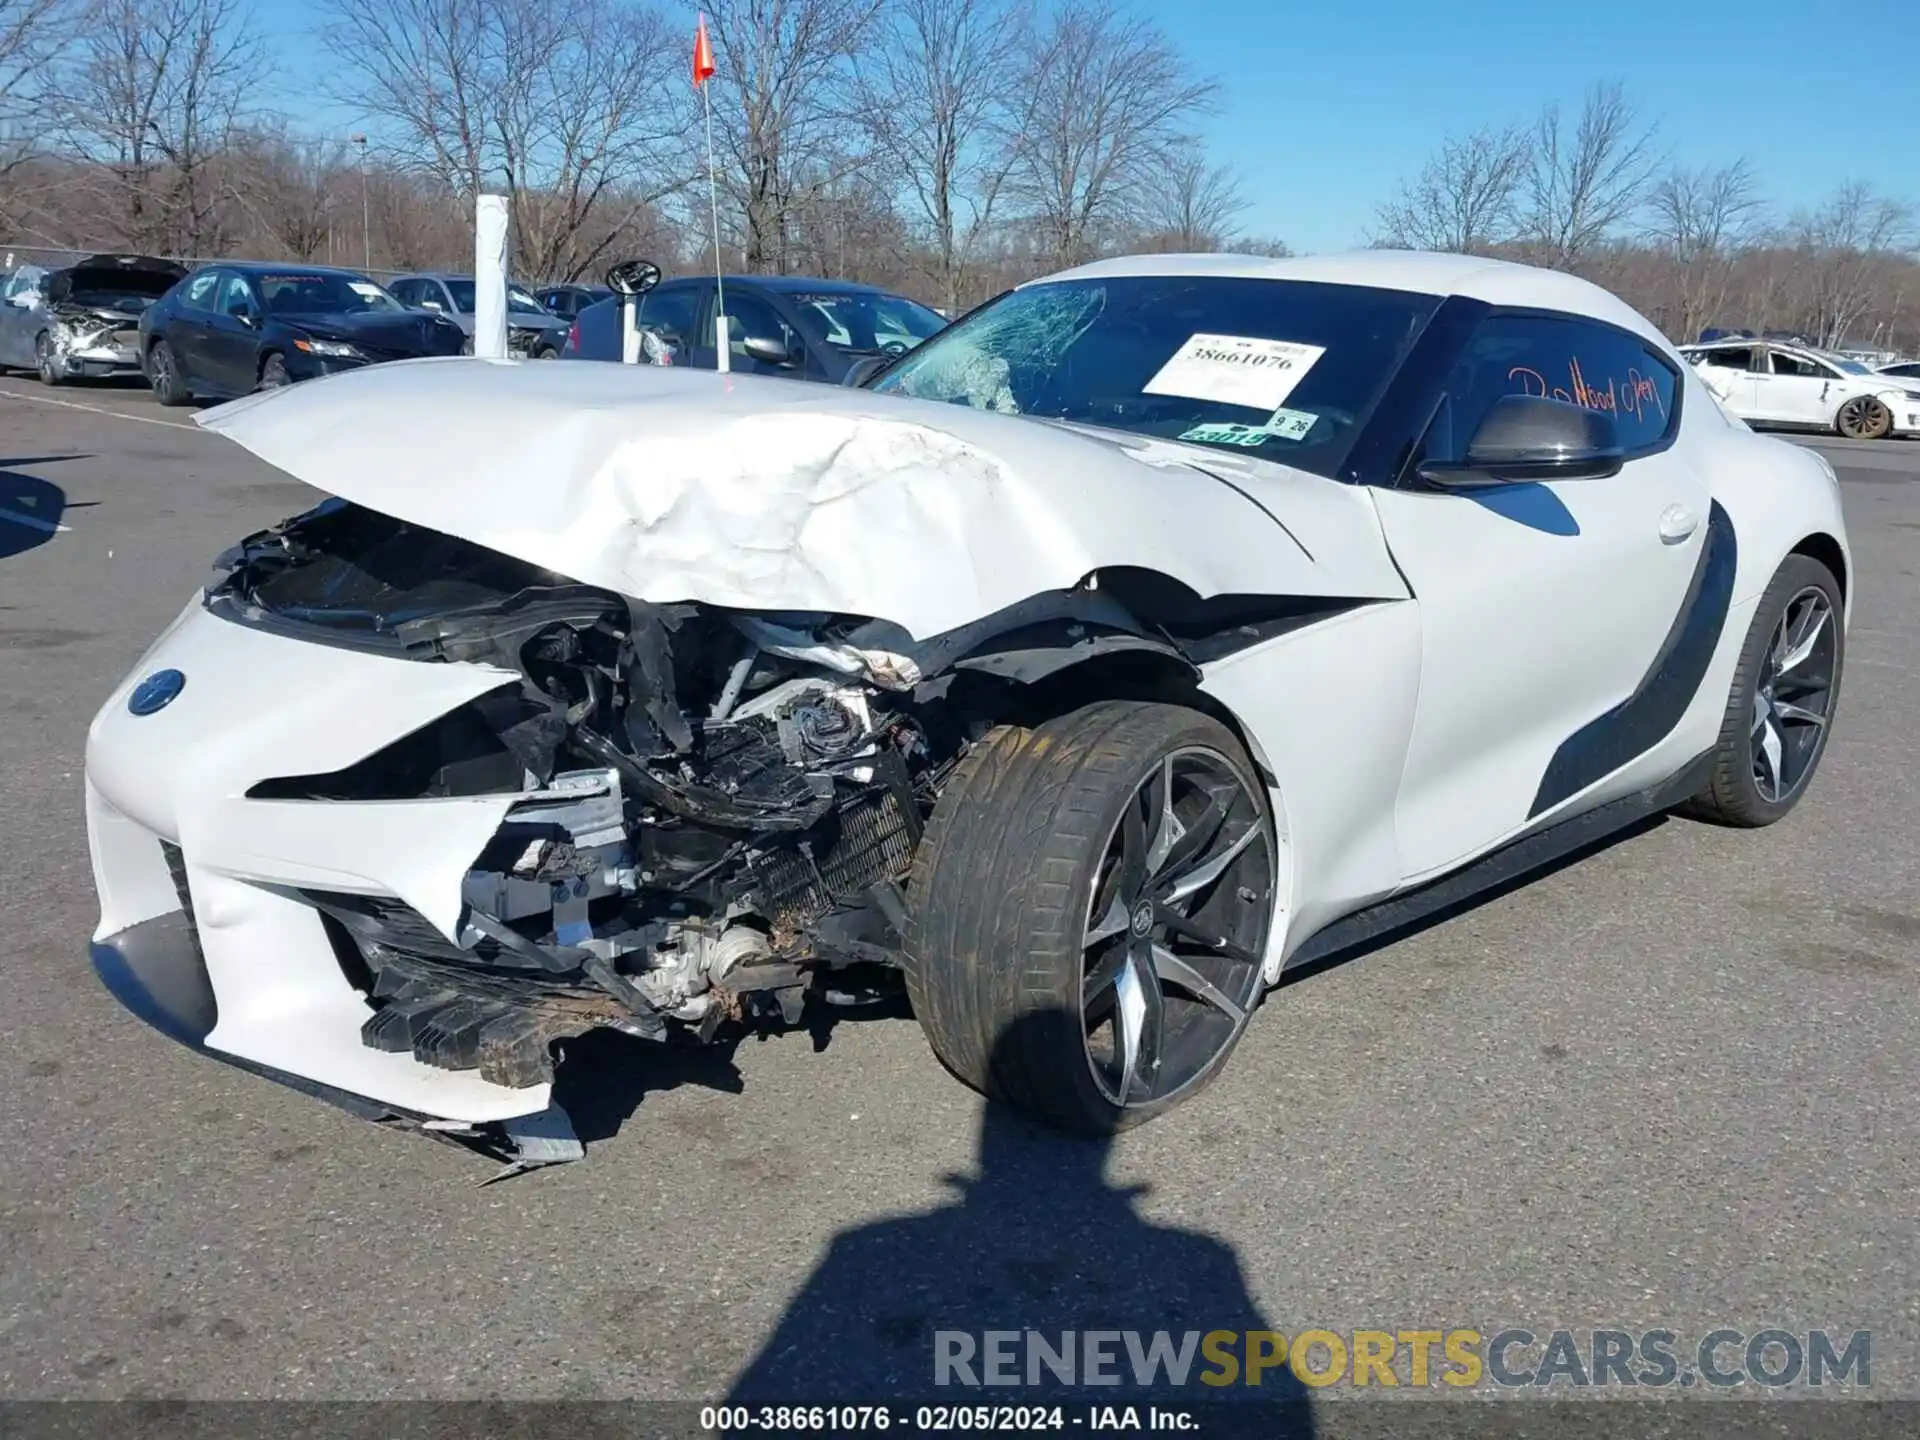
(94, 308)
(716, 811)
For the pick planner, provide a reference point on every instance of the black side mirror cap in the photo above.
(1530, 438)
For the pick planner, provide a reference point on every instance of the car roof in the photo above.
(264, 267)
(1498, 282)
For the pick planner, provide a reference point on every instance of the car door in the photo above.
(1797, 389)
(1729, 372)
(231, 347)
(751, 315)
(1544, 607)
(682, 311)
(188, 326)
(20, 312)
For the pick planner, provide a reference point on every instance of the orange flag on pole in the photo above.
(702, 54)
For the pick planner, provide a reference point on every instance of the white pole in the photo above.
(490, 276)
(629, 332)
(722, 357)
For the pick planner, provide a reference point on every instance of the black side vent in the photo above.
(177, 871)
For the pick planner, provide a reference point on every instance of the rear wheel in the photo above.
(163, 374)
(1784, 692)
(1091, 905)
(1864, 418)
(47, 363)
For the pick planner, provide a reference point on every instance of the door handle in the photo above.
(1677, 522)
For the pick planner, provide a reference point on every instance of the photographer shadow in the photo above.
(1037, 1241)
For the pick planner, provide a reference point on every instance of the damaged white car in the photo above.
(1163, 625)
(82, 321)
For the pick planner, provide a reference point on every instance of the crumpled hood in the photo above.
(769, 494)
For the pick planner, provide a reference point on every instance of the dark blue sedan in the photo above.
(777, 325)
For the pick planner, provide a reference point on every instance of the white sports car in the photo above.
(1769, 383)
(1164, 624)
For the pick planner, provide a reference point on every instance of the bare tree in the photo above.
(1191, 206)
(937, 86)
(786, 107)
(291, 187)
(1846, 246)
(153, 97)
(33, 35)
(557, 105)
(1464, 198)
(1585, 182)
(1111, 95)
(1703, 219)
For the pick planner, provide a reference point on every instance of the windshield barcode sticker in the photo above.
(1235, 370)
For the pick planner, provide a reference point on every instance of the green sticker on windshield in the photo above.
(1224, 433)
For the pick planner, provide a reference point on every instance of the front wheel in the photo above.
(163, 374)
(1785, 688)
(47, 363)
(1864, 418)
(273, 373)
(1090, 910)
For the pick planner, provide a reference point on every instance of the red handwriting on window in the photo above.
(1633, 394)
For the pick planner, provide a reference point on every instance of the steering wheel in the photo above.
(633, 277)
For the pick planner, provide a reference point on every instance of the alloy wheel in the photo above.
(1863, 418)
(1793, 696)
(1176, 929)
(44, 362)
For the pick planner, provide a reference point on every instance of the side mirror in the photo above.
(26, 299)
(1529, 437)
(767, 350)
(249, 318)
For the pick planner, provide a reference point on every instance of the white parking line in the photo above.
(98, 410)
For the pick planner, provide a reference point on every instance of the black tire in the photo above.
(163, 375)
(1018, 850)
(546, 352)
(46, 364)
(1864, 418)
(273, 373)
(1737, 793)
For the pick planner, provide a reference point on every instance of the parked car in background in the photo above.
(1770, 383)
(83, 319)
(776, 325)
(1901, 369)
(230, 329)
(567, 301)
(532, 330)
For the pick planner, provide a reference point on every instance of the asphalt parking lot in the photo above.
(1673, 1085)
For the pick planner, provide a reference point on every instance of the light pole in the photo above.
(366, 226)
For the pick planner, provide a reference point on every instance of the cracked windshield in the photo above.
(1277, 369)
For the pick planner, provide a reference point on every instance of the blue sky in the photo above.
(1323, 106)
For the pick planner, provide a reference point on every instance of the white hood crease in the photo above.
(772, 494)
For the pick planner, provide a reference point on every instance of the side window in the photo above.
(750, 315)
(1801, 366)
(1568, 359)
(236, 297)
(404, 291)
(672, 312)
(23, 282)
(1738, 357)
(199, 292)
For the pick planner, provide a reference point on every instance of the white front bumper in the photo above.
(257, 706)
